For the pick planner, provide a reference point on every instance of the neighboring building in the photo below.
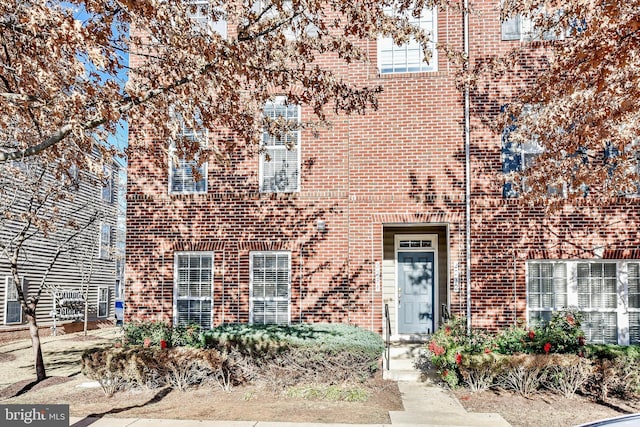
(373, 212)
(89, 264)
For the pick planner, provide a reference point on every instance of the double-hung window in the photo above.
(107, 184)
(546, 289)
(104, 246)
(193, 288)
(409, 57)
(605, 292)
(280, 158)
(103, 302)
(187, 176)
(206, 19)
(633, 307)
(597, 300)
(12, 307)
(270, 287)
(517, 158)
(522, 28)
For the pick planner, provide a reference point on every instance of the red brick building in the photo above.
(373, 211)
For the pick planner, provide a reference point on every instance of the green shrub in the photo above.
(306, 353)
(135, 333)
(450, 342)
(561, 334)
(514, 339)
(187, 336)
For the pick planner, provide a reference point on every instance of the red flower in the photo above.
(532, 335)
(147, 342)
(571, 320)
(436, 349)
(445, 373)
(581, 354)
(163, 344)
(458, 358)
(447, 330)
(581, 341)
(547, 347)
(487, 350)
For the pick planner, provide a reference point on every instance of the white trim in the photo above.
(205, 174)
(251, 298)
(175, 283)
(109, 248)
(6, 300)
(433, 64)
(436, 295)
(622, 291)
(106, 314)
(281, 100)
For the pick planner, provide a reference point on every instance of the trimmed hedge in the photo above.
(278, 356)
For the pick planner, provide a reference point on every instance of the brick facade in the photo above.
(401, 167)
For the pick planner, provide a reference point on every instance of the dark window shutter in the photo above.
(511, 28)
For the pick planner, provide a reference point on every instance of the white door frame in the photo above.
(434, 249)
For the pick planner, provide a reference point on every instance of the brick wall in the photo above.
(401, 164)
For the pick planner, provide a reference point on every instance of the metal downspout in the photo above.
(467, 154)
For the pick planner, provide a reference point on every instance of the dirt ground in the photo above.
(543, 409)
(67, 385)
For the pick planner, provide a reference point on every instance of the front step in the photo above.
(401, 363)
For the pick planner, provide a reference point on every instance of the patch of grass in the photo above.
(328, 392)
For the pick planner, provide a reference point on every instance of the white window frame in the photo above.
(622, 308)
(630, 310)
(105, 248)
(177, 297)
(432, 66)
(253, 299)
(527, 31)
(9, 280)
(101, 301)
(106, 189)
(202, 138)
(205, 21)
(266, 147)
(556, 305)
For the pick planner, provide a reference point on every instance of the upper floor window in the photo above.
(409, 57)
(107, 184)
(187, 176)
(523, 28)
(207, 19)
(104, 247)
(280, 160)
(517, 157)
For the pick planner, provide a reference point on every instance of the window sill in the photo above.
(413, 75)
